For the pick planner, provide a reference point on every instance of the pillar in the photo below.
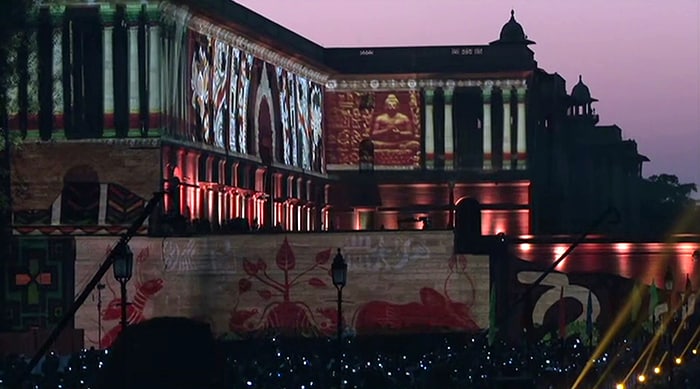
(154, 103)
(33, 81)
(57, 71)
(108, 79)
(429, 130)
(184, 198)
(449, 133)
(507, 148)
(133, 76)
(521, 149)
(486, 124)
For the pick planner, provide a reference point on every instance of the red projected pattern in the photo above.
(392, 120)
(276, 308)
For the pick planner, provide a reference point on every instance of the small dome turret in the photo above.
(512, 32)
(580, 93)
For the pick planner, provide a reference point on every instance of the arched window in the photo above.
(467, 232)
(265, 132)
(80, 197)
(468, 218)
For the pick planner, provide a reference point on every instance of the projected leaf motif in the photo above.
(281, 313)
(285, 256)
(323, 257)
(317, 283)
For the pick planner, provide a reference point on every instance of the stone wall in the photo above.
(39, 169)
(397, 281)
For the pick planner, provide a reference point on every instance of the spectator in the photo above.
(167, 352)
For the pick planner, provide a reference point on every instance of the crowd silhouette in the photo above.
(181, 353)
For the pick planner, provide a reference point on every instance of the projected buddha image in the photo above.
(391, 120)
(392, 129)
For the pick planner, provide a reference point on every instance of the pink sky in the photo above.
(641, 59)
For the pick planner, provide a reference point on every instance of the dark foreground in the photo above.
(415, 361)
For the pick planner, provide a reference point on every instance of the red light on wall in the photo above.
(525, 247)
(685, 248)
(558, 252)
(622, 247)
(509, 222)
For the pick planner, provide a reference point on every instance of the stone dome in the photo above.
(512, 32)
(580, 93)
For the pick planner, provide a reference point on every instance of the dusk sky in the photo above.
(641, 59)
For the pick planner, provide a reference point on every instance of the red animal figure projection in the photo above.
(282, 313)
(435, 311)
(145, 290)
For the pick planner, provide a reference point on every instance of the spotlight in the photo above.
(657, 370)
(695, 351)
(641, 378)
(678, 360)
(620, 386)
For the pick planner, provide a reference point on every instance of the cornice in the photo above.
(130, 142)
(203, 26)
(415, 83)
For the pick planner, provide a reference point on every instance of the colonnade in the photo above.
(218, 190)
(511, 157)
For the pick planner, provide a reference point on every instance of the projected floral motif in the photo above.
(221, 72)
(200, 84)
(273, 307)
(282, 313)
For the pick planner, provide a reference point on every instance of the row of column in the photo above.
(151, 77)
(208, 191)
(85, 70)
(142, 78)
(519, 157)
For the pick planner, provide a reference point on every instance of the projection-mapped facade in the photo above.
(260, 128)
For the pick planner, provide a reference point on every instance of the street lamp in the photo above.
(668, 283)
(339, 272)
(123, 267)
(100, 288)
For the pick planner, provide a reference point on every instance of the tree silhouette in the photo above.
(667, 205)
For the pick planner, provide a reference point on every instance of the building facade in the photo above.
(262, 129)
(249, 126)
(137, 98)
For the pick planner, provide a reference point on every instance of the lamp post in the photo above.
(339, 272)
(123, 267)
(100, 288)
(668, 283)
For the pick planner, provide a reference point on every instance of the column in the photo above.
(154, 103)
(244, 208)
(429, 130)
(273, 197)
(102, 205)
(507, 148)
(521, 149)
(108, 80)
(184, 199)
(33, 81)
(486, 124)
(133, 77)
(449, 133)
(57, 76)
(238, 206)
(221, 208)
